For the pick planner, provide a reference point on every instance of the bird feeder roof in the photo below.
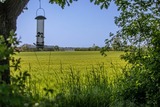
(40, 17)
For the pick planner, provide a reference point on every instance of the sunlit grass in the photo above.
(50, 61)
(71, 78)
(51, 68)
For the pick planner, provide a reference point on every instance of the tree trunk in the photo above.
(9, 12)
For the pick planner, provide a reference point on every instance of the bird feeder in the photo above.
(40, 28)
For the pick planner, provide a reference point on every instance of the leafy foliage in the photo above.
(103, 3)
(7, 48)
(12, 93)
(139, 26)
(62, 3)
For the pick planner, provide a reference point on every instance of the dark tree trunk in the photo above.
(9, 12)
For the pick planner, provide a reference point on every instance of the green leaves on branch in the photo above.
(103, 3)
(7, 46)
(62, 3)
(7, 49)
(139, 25)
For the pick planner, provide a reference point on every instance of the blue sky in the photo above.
(80, 25)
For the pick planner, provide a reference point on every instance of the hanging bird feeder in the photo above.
(40, 27)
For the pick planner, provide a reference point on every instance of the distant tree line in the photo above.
(30, 48)
(116, 45)
(96, 48)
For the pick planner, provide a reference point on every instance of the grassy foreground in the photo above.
(71, 78)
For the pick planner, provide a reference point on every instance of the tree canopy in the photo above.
(139, 26)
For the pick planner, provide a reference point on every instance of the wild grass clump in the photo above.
(91, 89)
(78, 89)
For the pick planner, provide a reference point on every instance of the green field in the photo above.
(74, 79)
(50, 61)
(52, 68)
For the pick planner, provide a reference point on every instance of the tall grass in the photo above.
(73, 88)
(94, 86)
(77, 89)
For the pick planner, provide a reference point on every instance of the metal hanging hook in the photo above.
(40, 8)
(40, 4)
